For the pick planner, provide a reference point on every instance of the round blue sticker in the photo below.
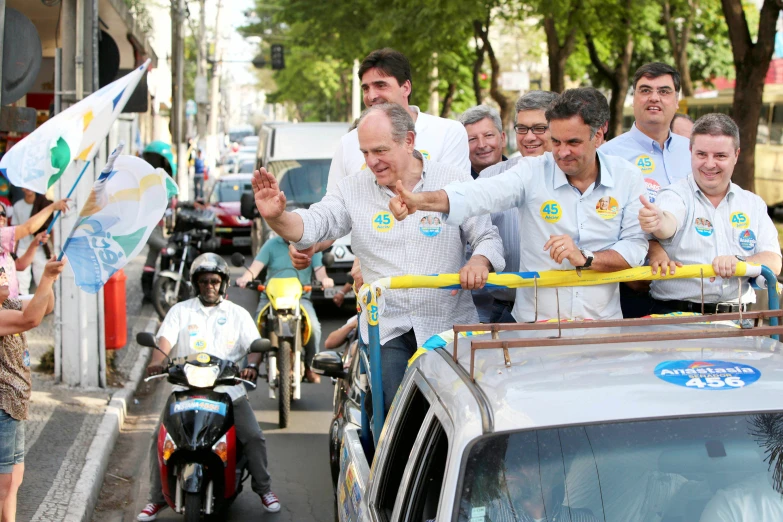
(747, 240)
(707, 375)
(703, 226)
(430, 226)
(221, 321)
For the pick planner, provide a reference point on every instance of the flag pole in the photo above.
(70, 192)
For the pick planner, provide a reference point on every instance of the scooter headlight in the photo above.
(170, 251)
(201, 376)
(168, 448)
(285, 303)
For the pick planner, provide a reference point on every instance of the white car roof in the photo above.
(597, 383)
(302, 141)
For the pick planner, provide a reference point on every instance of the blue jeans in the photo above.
(313, 346)
(501, 312)
(11, 442)
(198, 186)
(394, 362)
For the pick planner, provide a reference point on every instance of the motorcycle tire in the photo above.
(161, 298)
(284, 382)
(193, 503)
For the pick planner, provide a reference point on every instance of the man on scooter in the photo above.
(209, 323)
(274, 256)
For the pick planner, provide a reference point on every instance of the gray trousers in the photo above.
(253, 444)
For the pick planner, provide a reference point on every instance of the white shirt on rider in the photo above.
(225, 330)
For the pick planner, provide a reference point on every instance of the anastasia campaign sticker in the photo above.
(747, 240)
(221, 321)
(550, 211)
(703, 226)
(707, 375)
(653, 187)
(645, 163)
(425, 154)
(430, 226)
(607, 207)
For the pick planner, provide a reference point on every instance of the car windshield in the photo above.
(246, 166)
(725, 468)
(303, 182)
(230, 191)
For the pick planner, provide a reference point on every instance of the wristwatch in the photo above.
(253, 366)
(741, 258)
(589, 258)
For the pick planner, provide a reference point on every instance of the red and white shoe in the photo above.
(150, 512)
(270, 502)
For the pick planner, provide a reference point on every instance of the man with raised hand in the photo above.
(533, 139)
(559, 198)
(707, 219)
(425, 244)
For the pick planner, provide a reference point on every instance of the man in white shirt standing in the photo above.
(23, 210)
(707, 219)
(578, 208)
(385, 76)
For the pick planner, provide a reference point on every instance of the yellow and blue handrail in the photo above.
(554, 278)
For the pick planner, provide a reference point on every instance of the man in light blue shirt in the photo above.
(578, 208)
(660, 155)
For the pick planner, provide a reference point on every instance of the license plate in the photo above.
(331, 292)
(241, 241)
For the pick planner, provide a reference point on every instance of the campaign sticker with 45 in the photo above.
(707, 375)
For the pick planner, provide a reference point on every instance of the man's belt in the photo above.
(709, 308)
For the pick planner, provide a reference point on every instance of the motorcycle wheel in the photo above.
(284, 382)
(163, 297)
(193, 502)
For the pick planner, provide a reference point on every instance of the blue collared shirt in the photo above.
(659, 167)
(605, 217)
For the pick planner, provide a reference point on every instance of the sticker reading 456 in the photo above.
(707, 375)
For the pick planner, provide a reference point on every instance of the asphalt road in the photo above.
(298, 455)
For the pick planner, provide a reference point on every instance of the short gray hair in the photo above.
(400, 118)
(535, 101)
(480, 112)
(716, 124)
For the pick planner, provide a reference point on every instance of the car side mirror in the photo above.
(327, 259)
(247, 206)
(146, 339)
(238, 260)
(260, 346)
(329, 364)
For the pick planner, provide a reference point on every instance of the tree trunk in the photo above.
(679, 43)
(448, 100)
(751, 62)
(477, 65)
(504, 103)
(558, 54)
(618, 79)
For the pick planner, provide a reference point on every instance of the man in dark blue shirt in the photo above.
(198, 175)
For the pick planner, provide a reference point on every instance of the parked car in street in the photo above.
(664, 418)
(223, 199)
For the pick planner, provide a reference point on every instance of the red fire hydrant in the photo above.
(114, 311)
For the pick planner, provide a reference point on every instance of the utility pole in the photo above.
(177, 86)
(202, 98)
(214, 95)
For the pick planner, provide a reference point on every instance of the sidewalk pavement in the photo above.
(71, 431)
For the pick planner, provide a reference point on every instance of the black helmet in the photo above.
(209, 263)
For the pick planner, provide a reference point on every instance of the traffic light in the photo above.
(278, 60)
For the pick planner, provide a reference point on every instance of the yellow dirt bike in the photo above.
(287, 326)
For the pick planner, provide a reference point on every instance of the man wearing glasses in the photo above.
(660, 155)
(533, 139)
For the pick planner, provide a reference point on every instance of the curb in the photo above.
(88, 487)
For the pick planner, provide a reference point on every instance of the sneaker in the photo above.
(270, 502)
(312, 377)
(150, 512)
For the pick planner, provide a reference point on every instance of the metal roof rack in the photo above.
(558, 340)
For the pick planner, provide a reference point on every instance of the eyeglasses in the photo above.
(2, 213)
(210, 281)
(663, 92)
(536, 129)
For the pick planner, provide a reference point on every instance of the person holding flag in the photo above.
(9, 235)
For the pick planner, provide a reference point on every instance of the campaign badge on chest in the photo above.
(607, 207)
(747, 240)
(551, 211)
(740, 220)
(430, 226)
(703, 226)
(382, 222)
(645, 164)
